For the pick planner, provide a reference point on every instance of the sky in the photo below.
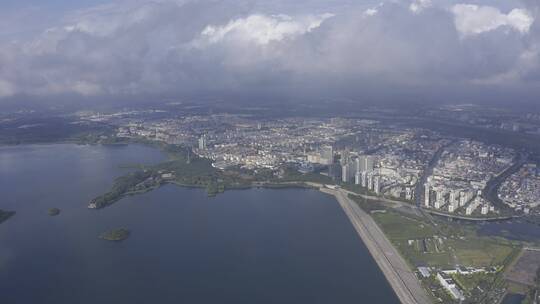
(394, 50)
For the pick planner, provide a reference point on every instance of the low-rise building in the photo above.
(450, 285)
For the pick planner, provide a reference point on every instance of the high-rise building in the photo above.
(344, 157)
(464, 197)
(357, 178)
(363, 166)
(327, 155)
(352, 171)
(439, 195)
(376, 184)
(345, 173)
(365, 163)
(427, 195)
(364, 178)
(454, 196)
(472, 206)
(334, 171)
(369, 162)
(202, 142)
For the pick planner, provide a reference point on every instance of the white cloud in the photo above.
(264, 29)
(472, 19)
(6, 88)
(156, 46)
(371, 11)
(419, 5)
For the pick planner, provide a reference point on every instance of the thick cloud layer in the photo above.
(127, 48)
(472, 19)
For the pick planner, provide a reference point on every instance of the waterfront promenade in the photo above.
(403, 281)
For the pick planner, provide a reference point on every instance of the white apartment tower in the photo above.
(363, 176)
(376, 184)
(427, 194)
(202, 142)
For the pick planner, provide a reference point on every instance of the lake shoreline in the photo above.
(202, 249)
(395, 269)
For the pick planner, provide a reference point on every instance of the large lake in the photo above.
(250, 246)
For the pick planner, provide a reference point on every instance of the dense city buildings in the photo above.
(461, 174)
(408, 178)
(521, 190)
(448, 175)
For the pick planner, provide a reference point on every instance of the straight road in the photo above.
(397, 272)
(420, 189)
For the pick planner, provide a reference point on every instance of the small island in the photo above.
(54, 211)
(115, 235)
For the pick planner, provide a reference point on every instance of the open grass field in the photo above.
(481, 251)
(402, 227)
(523, 271)
(444, 245)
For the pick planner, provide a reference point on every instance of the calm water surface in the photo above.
(520, 230)
(252, 246)
(513, 299)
